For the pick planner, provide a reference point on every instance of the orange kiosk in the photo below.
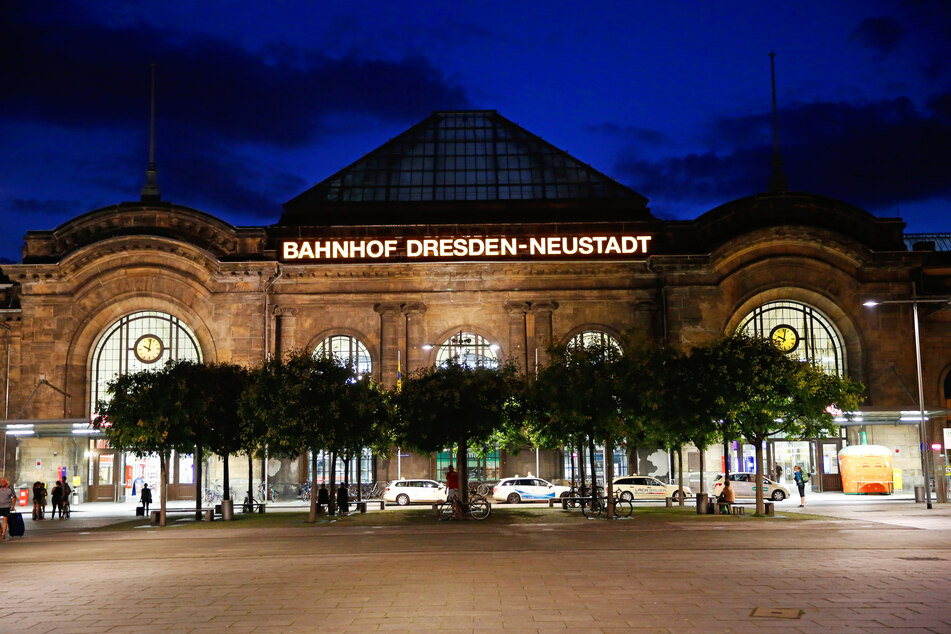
(866, 470)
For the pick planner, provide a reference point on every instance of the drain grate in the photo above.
(922, 558)
(777, 613)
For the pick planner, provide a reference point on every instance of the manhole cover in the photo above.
(922, 558)
(777, 613)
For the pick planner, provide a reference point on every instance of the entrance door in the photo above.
(103, 485)
(828, 452)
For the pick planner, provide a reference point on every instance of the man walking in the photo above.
(8, 502)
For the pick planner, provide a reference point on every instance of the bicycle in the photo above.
(478, 508)
(64, 511)
(598, 507)
(271, 493)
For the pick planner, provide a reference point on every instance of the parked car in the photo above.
(744, 486)
(526, 489)
(405, 492)
(636, 487)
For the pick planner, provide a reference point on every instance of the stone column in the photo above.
(518, 334)
(541, 328)
(414, 337)
(285, 325)
(389, 341)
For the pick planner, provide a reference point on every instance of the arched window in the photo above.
(799, 330)
(139, 341)
(597, 338)
(346, 349)
(468, 349)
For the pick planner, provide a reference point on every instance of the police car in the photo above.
(526, 489)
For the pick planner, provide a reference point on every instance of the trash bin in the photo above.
(227, 510)
(701, 504)
(919, 493)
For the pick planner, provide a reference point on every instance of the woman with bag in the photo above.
(801, 479)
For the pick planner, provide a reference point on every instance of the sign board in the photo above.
(947, 436)
(39, 463)
(445, 248)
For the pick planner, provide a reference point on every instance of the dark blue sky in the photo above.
(260, 100)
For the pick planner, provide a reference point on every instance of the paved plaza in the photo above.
(866, 565)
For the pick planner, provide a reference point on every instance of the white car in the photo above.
(526, 489)
(744, 486)
(405, 492)
(635, 487)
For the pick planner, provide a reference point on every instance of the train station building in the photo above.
(465, 236)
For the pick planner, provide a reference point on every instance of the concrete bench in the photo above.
(564, 501)
(362, 504)
(739, 508)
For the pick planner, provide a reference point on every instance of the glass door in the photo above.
(104, 482)
(831, 480)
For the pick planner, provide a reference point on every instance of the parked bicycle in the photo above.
(271, 493)
(598, 507)
(478, 508)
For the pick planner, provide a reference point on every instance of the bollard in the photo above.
(702, 502)
(227, 510)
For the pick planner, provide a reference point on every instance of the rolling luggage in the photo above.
(15, 524)
(140, 511)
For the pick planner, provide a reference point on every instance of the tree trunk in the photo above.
(760, 507)
(609, 472)
(726, 459)
(163, 494)
(312, 515)
(250, 482)
(594, 467)
(198, 470)
(332, 507)
(703, 464)
(680, 473)
(462, 467)
(359, 475)
(571, 457)
(581, 473)
(226, 478)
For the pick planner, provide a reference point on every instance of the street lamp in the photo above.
(922, 422)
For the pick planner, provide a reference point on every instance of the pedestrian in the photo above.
(452, 491)
(8, 502)
(67, 491)
(57, 500)
(801, 479)
(323, 498)
(37, 498)
(779, 473)
(343, 499)
(146, 497)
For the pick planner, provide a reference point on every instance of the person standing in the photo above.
(801, 480)
(146, 497)
(8, 502)
(452, 490)
(57, 500)
(323, 498)
(38, 502)
(343, 499)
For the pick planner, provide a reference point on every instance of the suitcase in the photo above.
(140, 511)
(15, 524)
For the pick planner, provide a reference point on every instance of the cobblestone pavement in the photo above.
(713, 575)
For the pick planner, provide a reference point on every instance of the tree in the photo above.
(576, 398)
(756, 390)
(146, 414)
(453, 404)
(226, 382)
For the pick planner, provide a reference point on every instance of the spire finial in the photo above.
(777, 182)
(150, 193)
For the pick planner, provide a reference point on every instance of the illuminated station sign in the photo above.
(467, 248)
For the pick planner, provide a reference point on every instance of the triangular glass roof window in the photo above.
(473, 155)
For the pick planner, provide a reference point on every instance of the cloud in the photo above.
(875, 155)
(31, 206)
(879, 34)
(632, 134)
(72, 72)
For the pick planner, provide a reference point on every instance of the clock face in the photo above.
(148, 348)
(784, 337)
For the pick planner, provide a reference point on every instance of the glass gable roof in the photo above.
(466, 156)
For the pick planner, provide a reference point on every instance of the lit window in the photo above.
(799, 330)
(468, 349)
(595, 338)
(346, 350)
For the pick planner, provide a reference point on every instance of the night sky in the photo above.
(257, 101)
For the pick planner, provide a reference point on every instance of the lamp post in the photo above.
(922, 422)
